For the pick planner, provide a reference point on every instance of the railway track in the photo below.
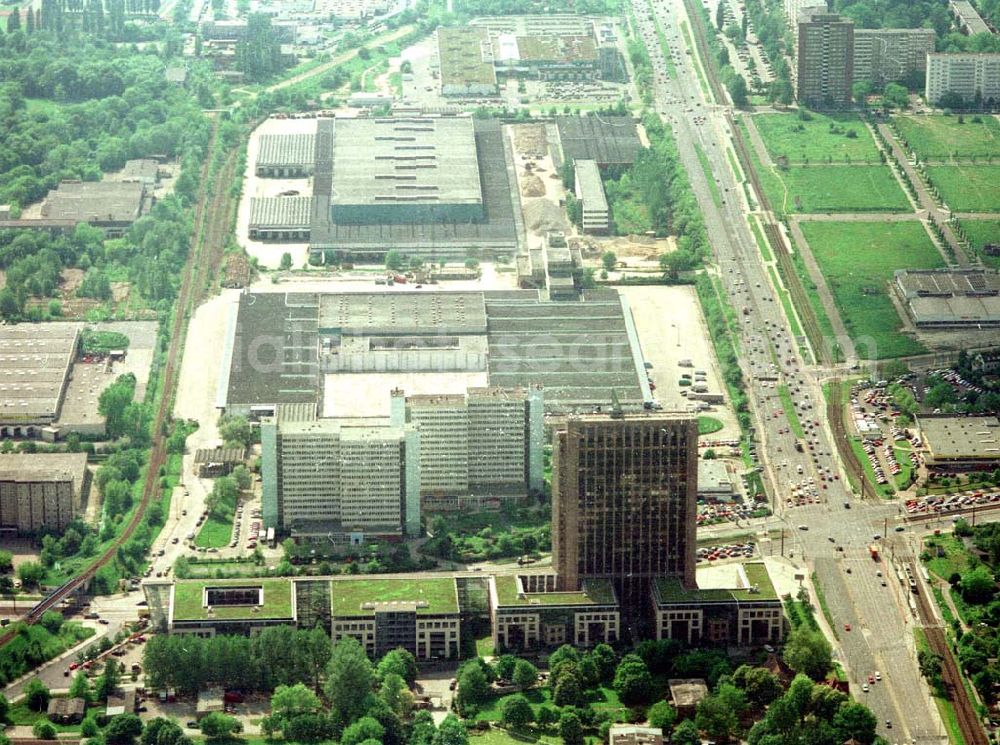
(206, 250)
(965, 712)
(835, 415)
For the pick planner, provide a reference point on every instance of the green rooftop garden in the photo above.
(594, 592)
(189, 600)
(671, 590)
(349, 595)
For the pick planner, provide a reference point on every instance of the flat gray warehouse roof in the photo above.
(273, 356)
(954, 438)
(412, 161)
(35, 359)
(591, 188)
(95, 201)
(580, 353)
(40, 467)
(962, 297)
(609, 140)
(281, 212)
(287, 150)
(406, 312)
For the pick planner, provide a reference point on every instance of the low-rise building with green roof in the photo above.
(422, 615)
(743, 609)
(527, 611)
(221, 606)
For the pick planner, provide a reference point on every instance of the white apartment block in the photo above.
(970, 76)
(324, 475)
(487, 442)
(885, 55)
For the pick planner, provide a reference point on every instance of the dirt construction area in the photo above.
(671, 328)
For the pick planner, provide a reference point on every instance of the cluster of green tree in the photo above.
(495, 540)
(735, 83)
(94, 341)
(36, 644)
(360, 702)
(659, 184)
(276, 656)
(975, 593)
(520, 7)
(61, 17)
(768, 19)
(643, 69)
(258, 55)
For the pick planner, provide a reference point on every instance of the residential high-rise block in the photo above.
(971, 77)
(886, 55)
(824, 59)
(624, 502)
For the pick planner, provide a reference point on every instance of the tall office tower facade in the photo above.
(624, 502)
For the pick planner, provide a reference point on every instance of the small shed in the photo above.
(121, 701)
(212, 462)
(67, 710)
(209, 701)
(686, 694)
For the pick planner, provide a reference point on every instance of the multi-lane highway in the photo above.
(832, 528)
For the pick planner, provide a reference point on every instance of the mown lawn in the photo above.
(858, 261)
(980, 233)
(944, 137)
(812, 189)
(814, 141)
(217, 531)
(968, 188)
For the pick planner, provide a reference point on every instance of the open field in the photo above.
(858, 260)
(837, 189)
(944, 137)
(968, 188)
(822, 139)
(980, 233)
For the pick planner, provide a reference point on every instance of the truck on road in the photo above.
(873, 552)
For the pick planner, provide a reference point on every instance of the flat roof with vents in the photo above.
(401, 169)
(35, 360)
(954, 439)
(287, 150)
(947, 298)
(403, 313)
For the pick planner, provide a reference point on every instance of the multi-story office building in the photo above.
(531, 611)
(421, 616)
(970, 76)
(485, 444)
(323, 475)
(884, 55)
(824, 58)
(41, 491)
(624, 502)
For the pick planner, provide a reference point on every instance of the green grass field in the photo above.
(944, 137)
(217, 531)
(815, 142)
(793, 418)
(708, 424)
(968, 188)
(980, 233)
(813, 189)
(858, 260)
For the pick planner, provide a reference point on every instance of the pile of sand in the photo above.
(532, 186)
(530, 140)
(541, 215)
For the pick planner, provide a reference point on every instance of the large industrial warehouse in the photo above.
(433, 187)
(344, 353)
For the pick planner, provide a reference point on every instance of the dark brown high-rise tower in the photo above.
(624, 502)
